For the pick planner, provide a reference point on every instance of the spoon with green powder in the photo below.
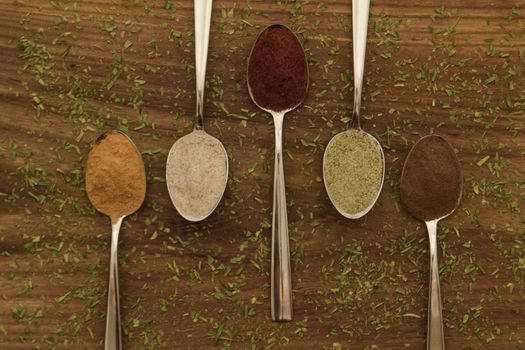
(431, 186)
(197, 164)
(354, 163)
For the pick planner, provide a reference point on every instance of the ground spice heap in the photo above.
(353, 171)
(196, 174)
(431, 181)
(277, 70)
(115, 176)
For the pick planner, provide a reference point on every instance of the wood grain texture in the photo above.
(452, 67)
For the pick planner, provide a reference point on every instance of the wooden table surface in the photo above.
(71, 70)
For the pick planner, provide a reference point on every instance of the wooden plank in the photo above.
(454, 67)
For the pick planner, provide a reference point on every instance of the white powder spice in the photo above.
(196, 174)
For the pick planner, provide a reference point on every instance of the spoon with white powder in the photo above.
(197, 165)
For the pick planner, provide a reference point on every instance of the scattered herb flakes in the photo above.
(186, 284)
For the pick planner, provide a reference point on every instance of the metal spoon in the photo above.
(448, 184)
(121, 177)
(360, 12)
(281, 280)
(202, 12)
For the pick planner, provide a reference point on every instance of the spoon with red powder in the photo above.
(278, 83)
(431, 186)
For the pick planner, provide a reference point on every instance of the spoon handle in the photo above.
(113, 335)
(281, 281)
(360, 12)
(202, 38)
(435, 332)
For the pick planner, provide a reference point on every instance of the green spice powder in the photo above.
(353, 171)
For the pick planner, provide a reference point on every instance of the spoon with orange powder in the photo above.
(116, 186)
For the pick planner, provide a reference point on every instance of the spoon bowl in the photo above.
(379, 149)
(284, 88)
(415, 191)
(93, 185)
(206, 159)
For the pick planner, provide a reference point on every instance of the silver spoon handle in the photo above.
(113, 339)
(360, 12)
(202, 38)
(435, 332)
(281, 281)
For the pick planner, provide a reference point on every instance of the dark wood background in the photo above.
(71, 70)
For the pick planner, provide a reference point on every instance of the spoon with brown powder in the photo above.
(431, 186)
(116, 186)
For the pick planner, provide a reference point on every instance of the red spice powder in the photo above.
(277, 70)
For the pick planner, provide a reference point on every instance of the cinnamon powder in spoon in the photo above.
(115, 176)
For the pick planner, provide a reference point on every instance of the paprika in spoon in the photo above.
(278, 83)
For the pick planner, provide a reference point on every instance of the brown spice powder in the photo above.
(115, 176)
(431, 182)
